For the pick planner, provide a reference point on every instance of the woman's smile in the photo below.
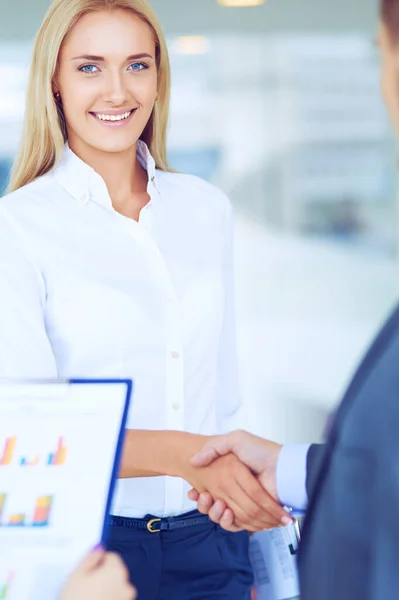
(114, 118)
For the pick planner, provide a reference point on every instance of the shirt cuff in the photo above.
(291, 476)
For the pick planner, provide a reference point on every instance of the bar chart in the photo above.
(8, 451)
(54, 483)
(58, 457)
(55, 458)
(39, 517)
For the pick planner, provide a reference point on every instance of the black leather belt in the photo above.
(156, 525)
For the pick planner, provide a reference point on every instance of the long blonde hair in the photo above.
(44, 131)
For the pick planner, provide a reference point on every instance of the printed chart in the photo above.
(38, 517)
(55, 458)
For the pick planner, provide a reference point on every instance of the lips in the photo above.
(115, 120)
(113, 117)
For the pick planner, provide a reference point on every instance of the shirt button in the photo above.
(84, 197)
(175, 355)
(176, 406)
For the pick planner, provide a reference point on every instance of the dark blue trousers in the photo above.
(202, 562)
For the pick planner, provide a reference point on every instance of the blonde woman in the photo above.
(113, 266)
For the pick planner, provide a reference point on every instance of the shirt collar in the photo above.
(146, 160)
(83, 183)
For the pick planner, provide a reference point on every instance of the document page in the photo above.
(58, 446)
(273, 557)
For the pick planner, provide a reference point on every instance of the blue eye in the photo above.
(138, 66)
(88, 69)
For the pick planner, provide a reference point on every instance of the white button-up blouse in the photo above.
(86, 292)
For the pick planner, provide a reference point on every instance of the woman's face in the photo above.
(390, 75)
(107, 78)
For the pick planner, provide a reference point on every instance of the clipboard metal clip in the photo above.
(297, 532)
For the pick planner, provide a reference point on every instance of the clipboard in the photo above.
(274, 559)
(119, 447)
(60, 449)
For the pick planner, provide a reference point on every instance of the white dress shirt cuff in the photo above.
(291, 476)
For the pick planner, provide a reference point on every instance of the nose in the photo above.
(115, 92)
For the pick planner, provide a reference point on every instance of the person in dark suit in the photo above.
(350, 543)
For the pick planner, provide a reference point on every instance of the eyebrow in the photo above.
(102, 59)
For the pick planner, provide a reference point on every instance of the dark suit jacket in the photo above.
(350, 543)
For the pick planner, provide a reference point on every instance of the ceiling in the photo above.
(21, 18)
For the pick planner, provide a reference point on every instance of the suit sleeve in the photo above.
(313, 461)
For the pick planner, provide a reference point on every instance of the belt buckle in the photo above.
(150, 525)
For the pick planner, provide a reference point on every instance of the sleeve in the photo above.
(230, 411)
(313, 462)
(25, 350)
(291, 476)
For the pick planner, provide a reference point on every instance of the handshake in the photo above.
(233, 480)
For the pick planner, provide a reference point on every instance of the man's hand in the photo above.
(232, 483)
(261, 458)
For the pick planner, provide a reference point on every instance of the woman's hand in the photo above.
(234, 486)
(259, 455)
(101, 576)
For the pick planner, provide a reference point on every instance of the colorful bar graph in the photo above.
(41, 516)
(5, 588)
(54, 459)
(8, 452)
(58, 457)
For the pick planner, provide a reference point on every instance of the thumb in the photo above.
(219, 446)
(92, 560)
(193, 495)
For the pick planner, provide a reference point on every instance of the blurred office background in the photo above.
(279, 105)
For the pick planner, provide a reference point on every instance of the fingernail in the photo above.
(98, 547)
(286, 521)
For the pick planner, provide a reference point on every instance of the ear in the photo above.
(56, 92)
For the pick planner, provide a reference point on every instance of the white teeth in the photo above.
(113, 117)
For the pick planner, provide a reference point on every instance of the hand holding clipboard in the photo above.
(60, 445)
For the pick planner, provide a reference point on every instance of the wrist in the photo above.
(188, 445)
(271, 453)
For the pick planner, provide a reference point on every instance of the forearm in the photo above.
(157, 453)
